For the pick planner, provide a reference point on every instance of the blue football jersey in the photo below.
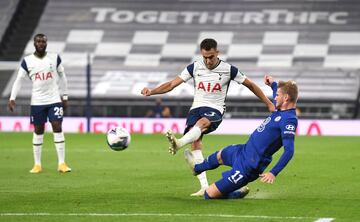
(275, 131)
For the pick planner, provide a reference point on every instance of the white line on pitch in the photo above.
(163, 215)
(324, 219)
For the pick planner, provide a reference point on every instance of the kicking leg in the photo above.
(191, 136)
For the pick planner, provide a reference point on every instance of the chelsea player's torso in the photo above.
(268, 138)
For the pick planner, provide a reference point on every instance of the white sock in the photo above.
(191, 136)
(202, 176)
(59, 141)
(37, 144)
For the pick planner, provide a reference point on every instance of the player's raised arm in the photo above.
(259, 93)
(163, 88)
(288, 129)
(269, 80)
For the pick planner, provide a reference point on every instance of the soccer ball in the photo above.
(118, 138)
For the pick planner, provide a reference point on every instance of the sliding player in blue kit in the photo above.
(248, 161)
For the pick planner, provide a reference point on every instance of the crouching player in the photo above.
(249, 160)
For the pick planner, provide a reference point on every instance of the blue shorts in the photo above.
(239, 175)
(39, 114)
(213, 115)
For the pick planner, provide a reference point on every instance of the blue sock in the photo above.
(209, 163)
(235, 195)
(206, 196)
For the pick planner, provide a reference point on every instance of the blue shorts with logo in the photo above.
(213, 115)
(40, 113)
(239, 175)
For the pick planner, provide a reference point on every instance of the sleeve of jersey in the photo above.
(274, 86)
(288, 137)
(236, 75)
(187, 73)
(62, 78)
(22, 73)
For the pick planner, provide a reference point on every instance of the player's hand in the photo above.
(65, 104)
(267, 177)
(11, 105)
(146, 91)
(268, 80)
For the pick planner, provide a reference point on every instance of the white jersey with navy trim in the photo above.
(211, 86)
(48, 77)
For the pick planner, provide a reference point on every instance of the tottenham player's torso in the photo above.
(211, 85)
(43, 68)
(43, 73)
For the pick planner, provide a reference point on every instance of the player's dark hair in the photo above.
(208, 44)
(290, 88)
(41, 35)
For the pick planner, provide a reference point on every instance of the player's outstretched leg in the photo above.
(199, 167)
(191, 161)
(174, 146)
(239, 194)
(213, 192)
(210, 163)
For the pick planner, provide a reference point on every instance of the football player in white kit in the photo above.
(46, 72)
(212, 78)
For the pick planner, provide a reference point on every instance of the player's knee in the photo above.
(212, 192)
(56, 127)
(218, 156)
(39, 129)
(203, 123)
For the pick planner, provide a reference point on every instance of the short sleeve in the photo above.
(236, 75)
(59, 66)
(187, 73)
(58, 61)
(24, 66)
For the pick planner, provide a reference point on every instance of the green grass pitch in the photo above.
(146, 183)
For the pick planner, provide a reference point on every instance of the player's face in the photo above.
(40, 44)
(280, 98)
(210, 57)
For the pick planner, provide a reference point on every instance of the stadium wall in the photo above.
(155, 125)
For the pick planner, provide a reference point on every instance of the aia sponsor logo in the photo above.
(208, 87)
(43, 76)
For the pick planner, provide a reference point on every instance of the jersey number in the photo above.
(59, 111)
(236, 177)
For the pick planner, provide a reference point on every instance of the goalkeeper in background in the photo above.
(248, 161)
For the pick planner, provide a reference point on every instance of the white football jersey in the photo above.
(48, 78)
(211, 86)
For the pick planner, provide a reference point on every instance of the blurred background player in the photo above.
(248, 161)
(159, 110)
(47, 75)
(212, 77)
